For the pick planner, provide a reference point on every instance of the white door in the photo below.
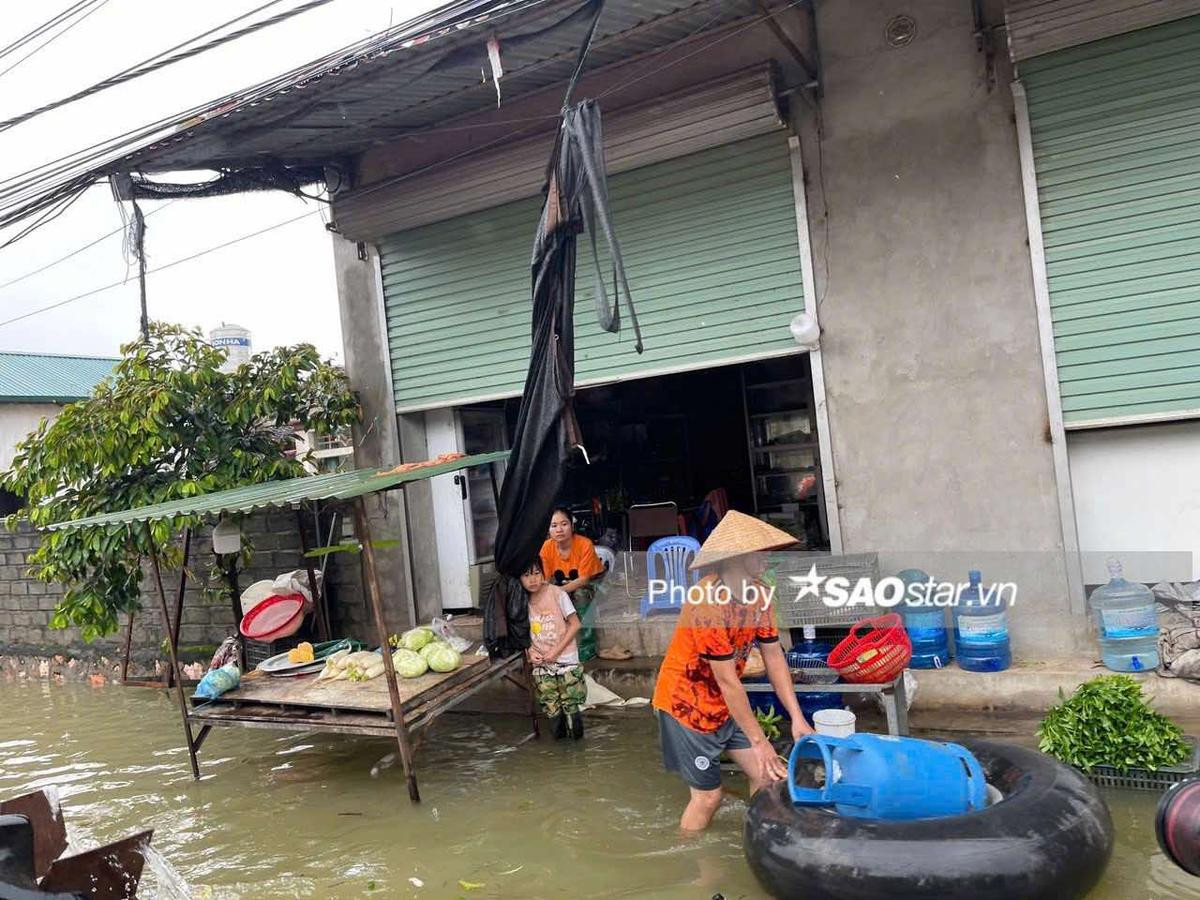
(450, 519)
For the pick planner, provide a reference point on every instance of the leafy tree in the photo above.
(168, 424)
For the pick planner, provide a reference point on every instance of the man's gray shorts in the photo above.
(696, 755)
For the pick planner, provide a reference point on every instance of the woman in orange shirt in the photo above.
(570, 561)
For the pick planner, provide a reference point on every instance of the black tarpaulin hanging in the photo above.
(547, 432)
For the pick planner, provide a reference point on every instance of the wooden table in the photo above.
(302, 703)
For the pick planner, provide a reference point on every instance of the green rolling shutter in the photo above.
(711, 250)
(1116, 144)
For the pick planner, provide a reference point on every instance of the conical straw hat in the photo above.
(737, 534)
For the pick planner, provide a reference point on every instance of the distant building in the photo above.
(36, 386)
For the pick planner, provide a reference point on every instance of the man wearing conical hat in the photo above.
(702, 707)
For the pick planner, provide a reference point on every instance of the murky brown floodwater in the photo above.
(282, 815)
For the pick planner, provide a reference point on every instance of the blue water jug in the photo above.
(925, 623)
(981, 628)
(871, 776)
(1126, 617)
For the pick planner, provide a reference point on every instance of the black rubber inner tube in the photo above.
(1177, 825)
(1050, 837)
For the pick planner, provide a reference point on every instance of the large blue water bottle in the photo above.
(1126, 620)
(924, 622)
(871, 776)
(981, 628)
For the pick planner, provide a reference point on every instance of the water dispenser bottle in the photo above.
(924, 622)
(981, 628)
(1126, 623)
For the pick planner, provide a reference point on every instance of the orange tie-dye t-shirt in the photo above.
(687, 689)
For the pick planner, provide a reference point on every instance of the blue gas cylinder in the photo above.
(924, 622)
(871, 776)
(981, 628)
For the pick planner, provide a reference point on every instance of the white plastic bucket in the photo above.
(834, 722)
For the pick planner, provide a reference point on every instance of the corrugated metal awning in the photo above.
(1043, 26)
(337, 486)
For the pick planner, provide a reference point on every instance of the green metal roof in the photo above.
(337, 486)
(48, 378)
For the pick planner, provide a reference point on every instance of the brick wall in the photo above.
(26, 604)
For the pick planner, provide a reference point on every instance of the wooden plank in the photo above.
(365, 696)
(271, 717)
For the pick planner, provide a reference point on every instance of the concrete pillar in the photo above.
(934, 380)
(376, 438)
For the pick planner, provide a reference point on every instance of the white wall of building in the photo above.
(1137, 496)
(16, 421)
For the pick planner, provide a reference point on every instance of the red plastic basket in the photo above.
(885, 636)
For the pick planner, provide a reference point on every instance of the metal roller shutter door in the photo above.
(1035, 27)
(711, 250)
(1115, 127)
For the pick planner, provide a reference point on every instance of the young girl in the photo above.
(557, 674)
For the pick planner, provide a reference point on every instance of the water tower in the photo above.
(234, 341)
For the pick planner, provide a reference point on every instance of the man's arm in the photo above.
(780, 677)
(725, 671)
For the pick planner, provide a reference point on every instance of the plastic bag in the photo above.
(443, 629)
(217, 681)
(230, 651)
(296, 582)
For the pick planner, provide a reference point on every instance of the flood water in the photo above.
(297, 815)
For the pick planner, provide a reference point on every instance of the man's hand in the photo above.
(771, 766)
(800, 728)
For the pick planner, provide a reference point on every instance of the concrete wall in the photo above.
(376, 438)
(16, 421)
(26, 604)
(1137, 495)
(935, 387)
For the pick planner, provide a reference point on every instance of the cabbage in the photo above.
(416, 638)
(428, 648)
(443, 658)
(409, 664)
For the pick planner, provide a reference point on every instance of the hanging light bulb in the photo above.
(805, 331)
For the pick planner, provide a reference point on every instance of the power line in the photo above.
(77, 250)
(385, 183)
(96, 7)
(41, 29)
(163, 59)
(162, 268)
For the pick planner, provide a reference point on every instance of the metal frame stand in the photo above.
(895, 698)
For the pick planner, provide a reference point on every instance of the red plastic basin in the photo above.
(274, 618)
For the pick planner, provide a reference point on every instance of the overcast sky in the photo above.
(280, 285)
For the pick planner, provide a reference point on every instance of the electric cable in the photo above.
(88, 246)
(97, 5)
(164, 59)
(41, 29)
(392, 181)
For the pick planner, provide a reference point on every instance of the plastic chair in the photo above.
(674, 555)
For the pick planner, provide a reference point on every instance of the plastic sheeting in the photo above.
(547, 432)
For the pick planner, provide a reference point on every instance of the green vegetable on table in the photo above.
(769, 721)
(1107, 722)
(409, 664)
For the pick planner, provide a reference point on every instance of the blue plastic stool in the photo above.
(674, 554)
